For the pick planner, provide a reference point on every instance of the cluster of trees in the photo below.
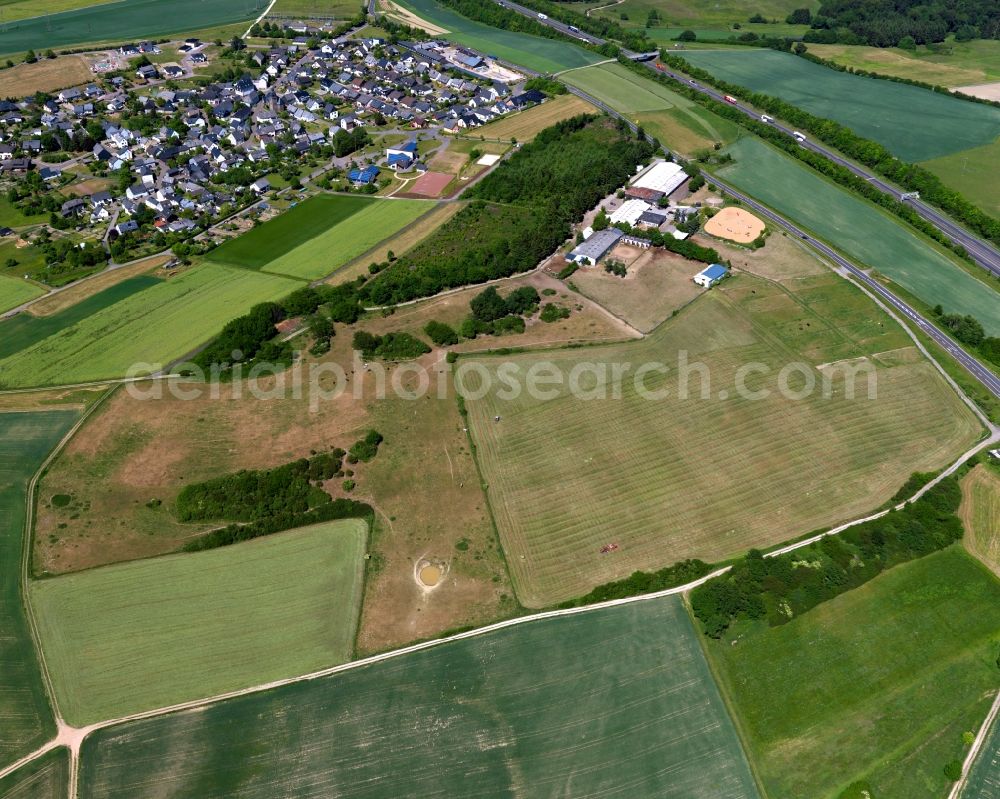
(390, 347)
(891, 23)
(497, 316)
(549, 86)
(520, 213)
(781, 588)
(364, 449)
(873, 155)
(249, 495)
(641, 582)
(346, 142)
(441, 334)
(553, 312)
(970, 332)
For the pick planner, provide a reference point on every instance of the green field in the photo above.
(120, 21)
(983, 781)
(137, 636)
(44, 778)
(155, 326)
(676, 121)
(914, 123)
(876, 685)
(673, 478)
(714, 17)
(25, 717)
(14, 291)
(981, 514)
(345, 241)
(616, 702)
(975, 173)
(860, 231)
(259, 246)
(533, 52)
(24, 330)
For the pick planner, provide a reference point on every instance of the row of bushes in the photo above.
(641, 582)
(390, 347)
(873, 155)
(969, 330)
(781, 588)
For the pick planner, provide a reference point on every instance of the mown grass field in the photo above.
(975, 173)
(44, 778)
(615, 702)
(983, 781)
(676, 121)
(119, 22)
(968, 63)
(142, 635)
(152, 327)
(46, 75)
(876, 685)
(670, 477)
(337, 246)
(14, 291)
(23, 330)
(980, 513)
(860, 231)
(260, 245)
(524, 125)
(533, 52)
(914, 123)
(25, 717)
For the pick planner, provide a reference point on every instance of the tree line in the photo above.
(892, 23)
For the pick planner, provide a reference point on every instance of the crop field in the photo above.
(975, 173)
(965, 63)
(84, 289)
(697, 15)
(860, 231)
(983, 781)
(44, 778)
(676, 121)
(259, 246)
(155, 326)
(142, 635)
(981, 515)
(25, 718)
(642, 718)
(347, 240)
(24, 330)
(914, 123)
(120, 22)
(14, 291)
(533, 52)
(717, 471)
(908, 658)
(524, 125)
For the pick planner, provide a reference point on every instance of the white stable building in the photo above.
(629, 212)
(664, 176)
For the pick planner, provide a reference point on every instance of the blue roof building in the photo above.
(711, 275)
(399, 161)
(366, 175)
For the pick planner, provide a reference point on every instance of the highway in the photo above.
(982, 252)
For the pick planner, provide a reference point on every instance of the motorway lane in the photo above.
(982, 252)
(989, 380)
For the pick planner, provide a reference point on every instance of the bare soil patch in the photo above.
(430, 184)
(985, 91)
(735, 224)
(407, 17)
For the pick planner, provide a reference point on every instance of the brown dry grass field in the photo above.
(46, 75)
(525, 125)
(91, 286)
(46, 399)
(980, 512)
(782, 258)
(658, 283)
(87, 187)
(674, 478)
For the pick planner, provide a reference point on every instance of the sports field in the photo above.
(14, 291)
(860, 231)
(152, 633)
(676, 121)
(120, 21)
(876, 685)
(669, 478)
(980, 513)
(616, 702)
(23, 330)
(914, 123)
(25, 718)
(343, 242)
(156, 325)
(533, 52)
(44, 778)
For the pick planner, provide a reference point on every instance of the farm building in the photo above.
(595, 247)
(630, 212)
(663, 176)
(711, 275)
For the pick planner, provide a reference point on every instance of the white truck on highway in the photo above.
(766, 118)
(542, 16)
(800, 137)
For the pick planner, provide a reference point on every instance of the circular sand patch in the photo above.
(430, 575)
(735, 224)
